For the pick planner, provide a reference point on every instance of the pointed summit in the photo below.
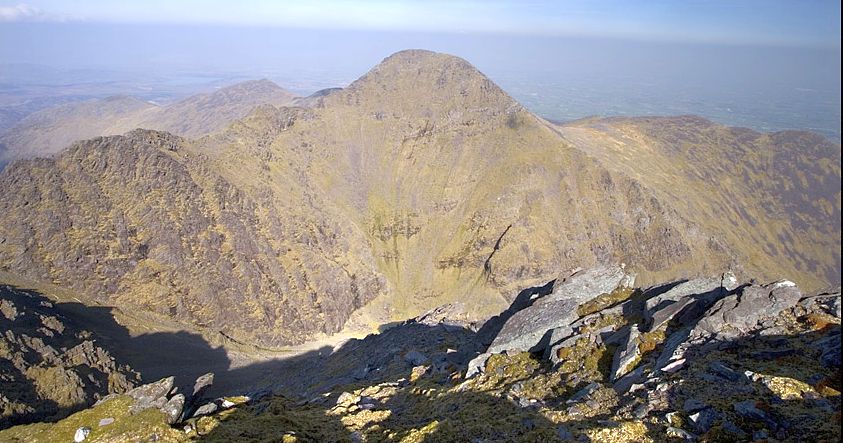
(416, 78)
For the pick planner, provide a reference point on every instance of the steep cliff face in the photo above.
(139, 221)
(420, 184)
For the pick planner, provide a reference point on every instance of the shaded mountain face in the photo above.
(53, 129)
(50, 365)
(420, 184)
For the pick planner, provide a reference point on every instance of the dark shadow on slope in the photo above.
(154, 356)
(431, 409)
(316, 380)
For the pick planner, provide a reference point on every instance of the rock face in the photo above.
(50, 366)
(420, 184)
(705, 341)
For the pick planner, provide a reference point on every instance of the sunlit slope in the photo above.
(436, 166)
(774, 198)
(422, 183)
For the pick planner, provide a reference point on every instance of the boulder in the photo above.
(415, 358)
(530, 329)
(150, 393)
(627, 355)
(697, 294)
(201, 385)
(174, 408)
(477, 364)
(81, 434)
(703, 420)
(748, 410)
(583, 286)
(738, 314)
(206, 409)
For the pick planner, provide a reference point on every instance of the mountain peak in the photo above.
(420, 61)
(413, 79)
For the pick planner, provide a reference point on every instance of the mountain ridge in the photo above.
(50, 130)
(375, 204)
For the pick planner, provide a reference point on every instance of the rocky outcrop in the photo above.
(534, 327)
(739, 346)
(754, 364)
(49, 365)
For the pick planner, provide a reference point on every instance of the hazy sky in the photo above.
(776, 22)
(767, 64)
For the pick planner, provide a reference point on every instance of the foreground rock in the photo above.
(741, 363)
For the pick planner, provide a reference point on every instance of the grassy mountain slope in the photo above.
(420, 184)
(774, 197)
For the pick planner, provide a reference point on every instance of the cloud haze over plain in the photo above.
(765, 64)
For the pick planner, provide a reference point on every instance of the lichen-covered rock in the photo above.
(174, 408)
(151, 395)
(530, 328)
(627, 355)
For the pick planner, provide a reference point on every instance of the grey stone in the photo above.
(106, 421)
(201, 385)
(830, 349)
(740, 313)
(477, 364)
(692, 405)
(724, 371)
(626, 355)
(151, 392)
(81, 434)
(748, 410)
(583, 286)
(828, 303)
(415, 358)
(703, 420)
(664, 307)
(525, 330)
(206, 409)
(531, 328)
(559, 338)
(625, 383)
(173, 409)
(680, 433)
(673, 349)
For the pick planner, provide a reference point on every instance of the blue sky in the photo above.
(768, 22)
